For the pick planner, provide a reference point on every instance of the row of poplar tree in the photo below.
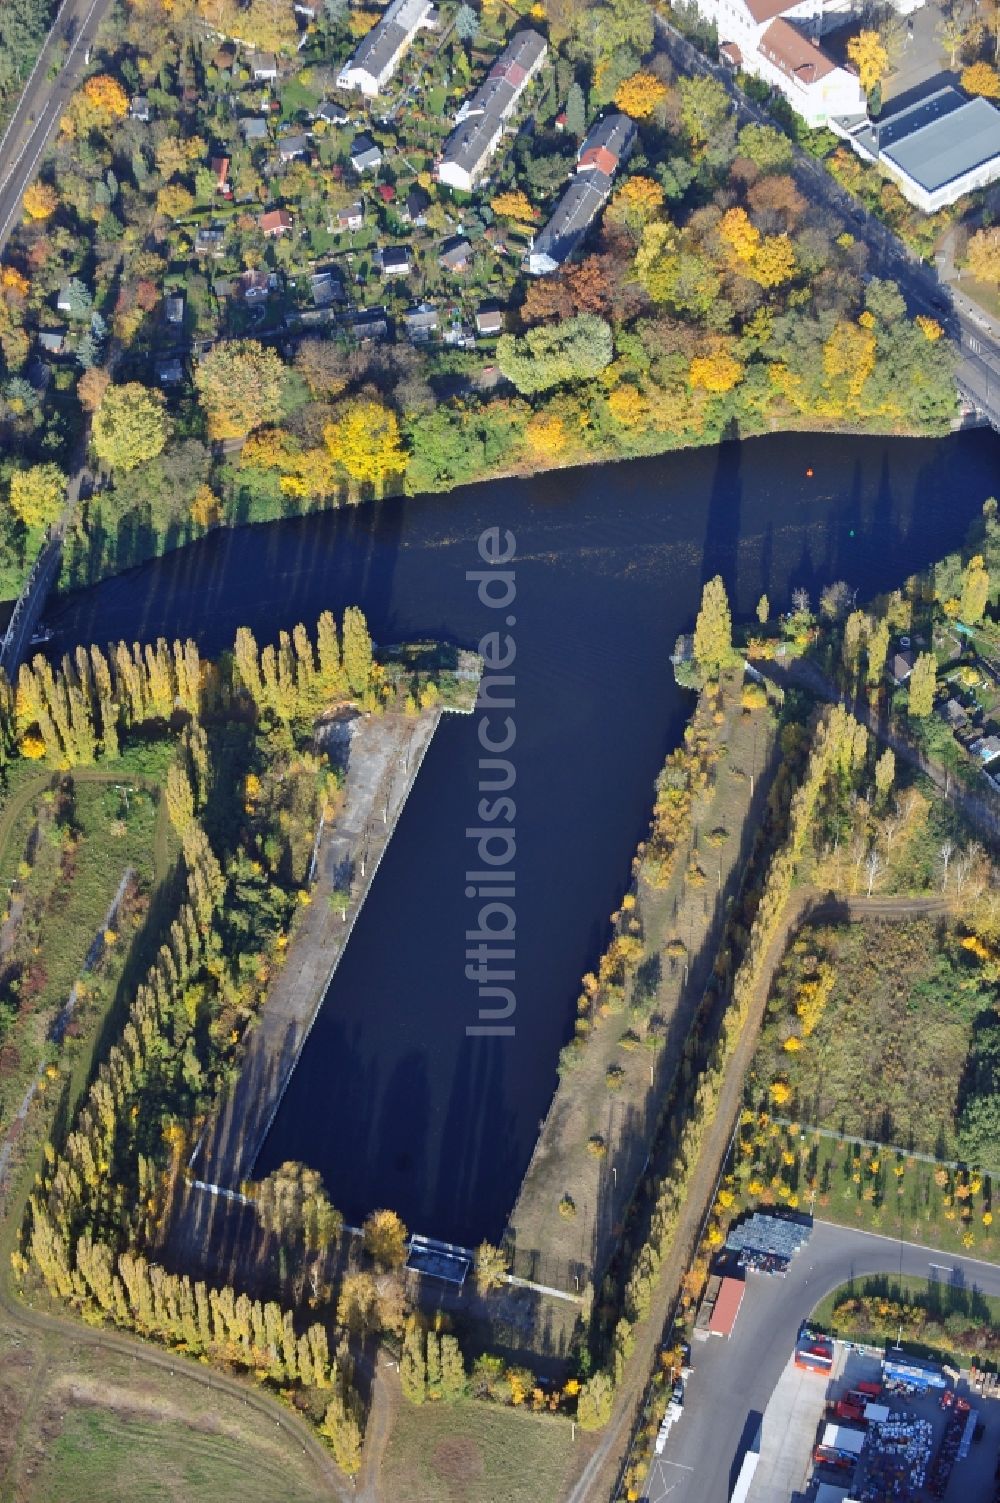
(99, 1199)
(839, 747)
(79, 711)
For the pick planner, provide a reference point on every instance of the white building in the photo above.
(936, 150)
(607, 145)
(481, 119)
(378, 55)
(778, 41)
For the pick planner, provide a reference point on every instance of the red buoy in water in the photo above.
(809, 473)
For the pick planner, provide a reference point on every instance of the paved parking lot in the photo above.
(733, 1380)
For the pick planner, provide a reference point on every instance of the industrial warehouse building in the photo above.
(936, 150)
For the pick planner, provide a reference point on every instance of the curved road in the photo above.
(733, 1380)
(43, 99)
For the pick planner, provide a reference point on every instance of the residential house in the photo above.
(276, 222)
(396, 261)
(455, 253)
(986, 748)
(351, 217)
(327, 287)
(64, 300)
(208, 241)
(139, 109)
(365, 155)
(253, 128)
(953, 713)
(264, 67)
(413, 209)
(173, 308)
(307, 9)
(606, 146)
(378, 54)
(52, 341)
(290, 147)
(170, 372)
(220, 171)
(480, 122)
(331, 112)
(902, 665)
(421, 323)
(254, 286)
(489, 320)
(369, 325)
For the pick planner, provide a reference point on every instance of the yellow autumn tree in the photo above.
(40, 200)
(628, 406)
(174, 201)
(929, 328)
(364, 441)
(14, 281)
(773, 262)
(983, 255)
(641, 95)
(100, 102)
(637, 202)
(38, 494)
(848, 359)
(205, 507)
(512, 205)
(716, 372)
(868, 53)
(738, 235)
(981, 78)
(546, 436)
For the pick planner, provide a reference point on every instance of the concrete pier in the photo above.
(384, 754)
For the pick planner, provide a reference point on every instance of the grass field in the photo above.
(942, 1319)
(886, 1055)
(476, 1453)
(99, 1428)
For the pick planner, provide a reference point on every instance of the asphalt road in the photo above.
(42, 102)
(732, 1380)
(976, 335)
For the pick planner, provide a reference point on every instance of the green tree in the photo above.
(576, 111)
(357, 650)
(597, 1396)
(704, 108)
(878, 651)
(241, 384)
(553, 354)
(413, 1366)
(770, 150)
(130, 426)
(923, 679)
(491, 1267)
(385, 1237)
(38, 494)
(975, 591)
(453, 1379)
(885, 773)
(713, 631)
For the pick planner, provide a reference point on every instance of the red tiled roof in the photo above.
(275, 219)
(601, 158)
(766, 10)
(794, 54)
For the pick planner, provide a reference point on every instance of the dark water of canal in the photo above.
(392, 1101)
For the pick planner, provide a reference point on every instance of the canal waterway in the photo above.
(392, 1100)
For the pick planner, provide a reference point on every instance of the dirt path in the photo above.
(387, 1396)
(600, 1474)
